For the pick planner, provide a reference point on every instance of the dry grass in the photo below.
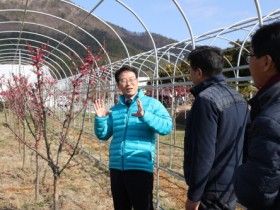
(85, 186)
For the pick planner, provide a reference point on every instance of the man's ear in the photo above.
(267, 60)
(268, 64)
(199, 72)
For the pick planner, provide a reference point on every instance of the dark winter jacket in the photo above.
(134, 139)
(257, 182)
(214, 137)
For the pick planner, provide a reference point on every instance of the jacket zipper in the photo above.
(123, 144)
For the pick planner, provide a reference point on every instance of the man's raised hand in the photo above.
(99, 108)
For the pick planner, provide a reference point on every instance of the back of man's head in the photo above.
(209, 59)
(266, 41)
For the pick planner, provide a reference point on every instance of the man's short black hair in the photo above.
(208, 58)
(125, 68)
(266, 41)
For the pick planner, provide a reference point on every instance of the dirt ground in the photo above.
(85, 186)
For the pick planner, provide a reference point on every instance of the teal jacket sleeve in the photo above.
(158, 118)
(103, 127)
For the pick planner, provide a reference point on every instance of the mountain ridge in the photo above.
(135, 42)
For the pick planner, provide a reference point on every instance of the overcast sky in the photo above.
(163, 17)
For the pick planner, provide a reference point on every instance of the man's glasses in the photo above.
(248, 57)
(126, 80)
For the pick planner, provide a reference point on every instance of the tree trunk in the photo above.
(55, 189)
(24, 154)
(37, 178)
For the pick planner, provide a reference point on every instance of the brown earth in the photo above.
(84, 186)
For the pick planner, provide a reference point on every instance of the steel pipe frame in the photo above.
(140, 60)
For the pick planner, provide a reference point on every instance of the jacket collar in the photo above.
(206, 83)
(264, 98)
(274, 79)
(140, 94)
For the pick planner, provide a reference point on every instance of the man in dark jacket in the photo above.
(214, 134)
(257, 182)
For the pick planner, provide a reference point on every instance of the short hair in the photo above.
(208, 58)
(266, 41)
(125, 68)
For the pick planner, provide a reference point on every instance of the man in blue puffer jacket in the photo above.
(257, 181)
(133, 123)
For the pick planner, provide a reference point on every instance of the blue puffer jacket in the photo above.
(214, 137)
(133, 143)
(257, 182)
